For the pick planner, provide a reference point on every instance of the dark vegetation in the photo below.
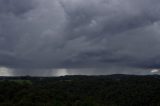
(113, 90)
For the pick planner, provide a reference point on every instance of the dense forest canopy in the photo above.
(112, 90)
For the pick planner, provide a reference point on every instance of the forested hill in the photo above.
(109, 90)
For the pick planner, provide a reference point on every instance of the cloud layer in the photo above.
(38, 34)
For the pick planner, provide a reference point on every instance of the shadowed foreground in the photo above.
(113, 90)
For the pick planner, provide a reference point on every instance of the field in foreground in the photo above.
(112, 90)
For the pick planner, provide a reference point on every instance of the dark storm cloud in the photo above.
(38, 34)
(15, 7)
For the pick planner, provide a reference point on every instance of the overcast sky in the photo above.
(54, 37)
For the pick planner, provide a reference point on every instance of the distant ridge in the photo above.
(112, 76)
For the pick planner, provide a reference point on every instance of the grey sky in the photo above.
(104, 36)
